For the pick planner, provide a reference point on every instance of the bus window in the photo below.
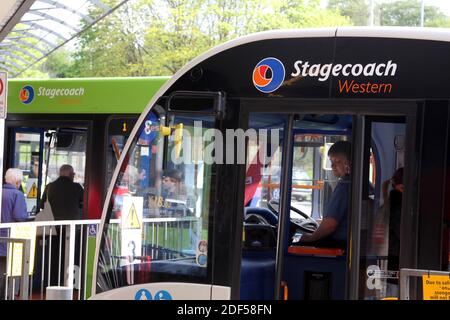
(263, 161)
(119, 130)
(28, 159)
(68, 146)
(312, 182)
(160, 209)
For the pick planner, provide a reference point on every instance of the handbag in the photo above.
(45, 214)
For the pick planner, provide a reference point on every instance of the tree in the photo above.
(289, 14)
(407, 13)
(192, 27)
(111, 47)
(157, 37)
(59, 64)
(356, 10)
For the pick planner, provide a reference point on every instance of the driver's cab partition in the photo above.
(315, 273)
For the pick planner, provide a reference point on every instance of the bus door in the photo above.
(158, 234)
(39, 152)
(386, 143)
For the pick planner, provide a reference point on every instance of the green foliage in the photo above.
(355, 10)
(60, 65)
(289, 14)
(407, 13)
(158, 37)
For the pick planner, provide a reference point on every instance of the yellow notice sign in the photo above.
(33, 191)
(131, 230)
(21, 231)
(132, 220)
(436, 287)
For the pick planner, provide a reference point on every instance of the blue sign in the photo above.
(143, 294)
(163, 295)
(92, 230)
(201, 259)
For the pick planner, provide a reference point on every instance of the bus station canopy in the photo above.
(32, 29)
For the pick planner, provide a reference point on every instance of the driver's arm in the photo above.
(326, 227)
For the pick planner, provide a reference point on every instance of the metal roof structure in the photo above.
(32, 29)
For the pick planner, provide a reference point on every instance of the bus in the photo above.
(247, 126)
(82, 122)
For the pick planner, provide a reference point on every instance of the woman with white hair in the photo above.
(14, 209)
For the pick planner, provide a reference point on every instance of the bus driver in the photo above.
(332, 231)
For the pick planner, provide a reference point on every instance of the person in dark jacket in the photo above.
(14, 209)
(395, 210)
(64, 195)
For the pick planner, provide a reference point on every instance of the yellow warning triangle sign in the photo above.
(132, 220)
(33, 191)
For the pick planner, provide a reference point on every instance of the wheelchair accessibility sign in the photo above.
(144, 294)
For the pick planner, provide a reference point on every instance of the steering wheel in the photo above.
(306, 225)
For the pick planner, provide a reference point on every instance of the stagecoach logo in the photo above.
(268, 75)
(26, 94)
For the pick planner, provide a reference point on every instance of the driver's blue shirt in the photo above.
(337, 208)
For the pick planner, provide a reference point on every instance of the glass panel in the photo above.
(312, 177)
(119, 130)
(262, 193)
(68, 146)
(157, 224)
(381, 209)
(26, 158)
(263, 161)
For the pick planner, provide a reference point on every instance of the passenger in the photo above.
(14, 209)
(66, 202)
(332, 231)
(174, 203)
(394, 202)
(129, 185)
(34, 173)
(64, 195)
(171, 184)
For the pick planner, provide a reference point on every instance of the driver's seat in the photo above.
(258, 254)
